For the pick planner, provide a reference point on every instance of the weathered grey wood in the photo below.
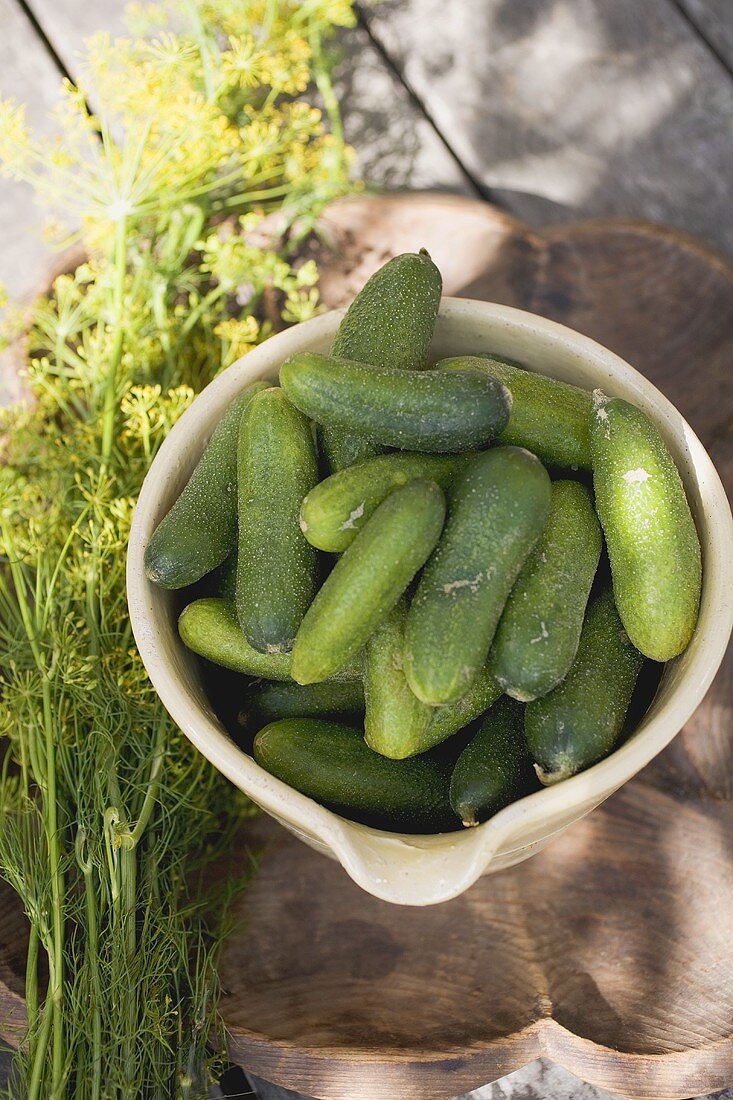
(28, 75)
(67, 23)
(714, 18)
(395, 145)
(575, 108)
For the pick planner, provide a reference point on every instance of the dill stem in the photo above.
(110, 388)
(56, 959)
(328, 95)
(92, 950)
(31, 978)
(39, 1056)
(195, 314)
(128, 876)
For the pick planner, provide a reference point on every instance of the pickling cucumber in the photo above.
(333, 512)
(396, 721)
(539, 630)
(550, 418)
(200, 530)
(453, 717)
(276, 566)
(578, 723)
(269, 702)
(412, 410)
(389, 324)
(226, 578)
(495, 768)
(368, 579)
(210, 628)
(652, 542)
(499, 506)
(332, 764)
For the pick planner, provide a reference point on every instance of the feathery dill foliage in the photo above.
(200, 129)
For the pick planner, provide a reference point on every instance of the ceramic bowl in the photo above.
(423, 870)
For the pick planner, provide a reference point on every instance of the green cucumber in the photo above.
(578, 723)
(538, 633)
(453, 717)
(448, 720)
(396, 721)
(415, 411)
(209, 627)
(276, 566)
(495, 768)
(333, 512)
(332, 764)
(652, 542)
(389, 324)
(550, 418)
(200, 530)
(368, 579)
(226, 578)
(499, 505)
(270, 702)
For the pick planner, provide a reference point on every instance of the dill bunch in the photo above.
(189, 187)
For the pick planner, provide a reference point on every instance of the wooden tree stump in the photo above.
(609, 952)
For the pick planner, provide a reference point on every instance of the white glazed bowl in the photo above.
(423, 870)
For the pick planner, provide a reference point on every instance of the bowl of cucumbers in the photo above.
(429, 579)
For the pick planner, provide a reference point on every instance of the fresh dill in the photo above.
(200, 167)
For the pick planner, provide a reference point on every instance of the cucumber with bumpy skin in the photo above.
(200, 530)
(539, 630)
(579, 722)
(430, 411)
(499, 505)
(652, 542)
(495, 768)
(550, 418)
(226, 579)
(269, 702)
(389, 324)
(332, 764)
(453, 717)
(368, 580)
(276, 566)
(209, 627)
(395, 721)
(333, 512)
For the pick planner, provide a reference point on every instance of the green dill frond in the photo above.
(189, 188)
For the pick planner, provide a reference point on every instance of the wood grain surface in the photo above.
(714, 19)
(575, 108)
(609, 953)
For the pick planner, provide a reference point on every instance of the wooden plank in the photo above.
(576, 108)
(714, 19)
(396, 147)
(27, 74)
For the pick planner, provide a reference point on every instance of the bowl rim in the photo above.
(361, 849)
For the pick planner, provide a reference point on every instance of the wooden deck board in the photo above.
(577, 108)
(714, 20)
(27, 74)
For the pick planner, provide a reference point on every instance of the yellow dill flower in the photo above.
(244, 64)
(237, 337)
